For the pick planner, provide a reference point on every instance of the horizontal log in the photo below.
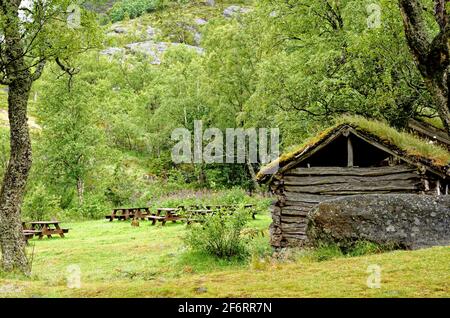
(323, 180)
(293, 219)
(349, 171)
(293, 198)
(295, 237)
(385, 186)
(350, 192)
(293, 228)
(299, 207)
(296, 213)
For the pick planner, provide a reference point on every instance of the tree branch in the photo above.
(39, 69)
(415, 28)
(68, 70)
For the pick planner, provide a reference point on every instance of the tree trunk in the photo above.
(252, 172)
(11, 195)
(438, 87)
(80, 190)
(432, 54)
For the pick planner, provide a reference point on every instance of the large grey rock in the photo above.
(151, 32)
(232, 11)
(200, 21)
(407, 221)
(155, 49)
(111, 51)
(118, 29)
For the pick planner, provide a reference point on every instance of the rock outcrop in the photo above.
(153, 50)
(232, 11)
(407, 221)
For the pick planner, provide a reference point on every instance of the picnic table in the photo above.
(44, 228)
(164, 215)
(195, 215)
(127, 213)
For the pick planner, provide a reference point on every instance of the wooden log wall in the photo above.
(301, 189)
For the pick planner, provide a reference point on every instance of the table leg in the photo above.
(60, 231)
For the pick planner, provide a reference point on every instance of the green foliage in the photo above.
(366, 248)
(133, 8)
(40, 205)
(325, 252)
(220, 234)
(112, 130)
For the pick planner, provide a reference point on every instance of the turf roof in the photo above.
(405, 145)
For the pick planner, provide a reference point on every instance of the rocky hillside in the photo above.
(175, 24)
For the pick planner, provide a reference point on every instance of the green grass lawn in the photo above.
(117, 260)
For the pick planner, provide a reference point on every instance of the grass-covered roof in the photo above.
(404, 145)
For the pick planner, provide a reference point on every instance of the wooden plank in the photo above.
(298, 220)
(349, 152)
(385, 186)
(293, 198)
(299, 206)
(294, 236)
(295, 213)
(349, 171)
(318, 180)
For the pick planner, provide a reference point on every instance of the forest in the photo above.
(103, 84)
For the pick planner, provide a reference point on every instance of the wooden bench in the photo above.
(164, 215)
(46, 228)
(29, 234)
(128, 213)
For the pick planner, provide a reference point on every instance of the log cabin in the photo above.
(356, 156)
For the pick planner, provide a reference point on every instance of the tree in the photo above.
(71, 141)
(32, 34)
(431, 51)
(326, 60)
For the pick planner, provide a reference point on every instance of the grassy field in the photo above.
(117, 260)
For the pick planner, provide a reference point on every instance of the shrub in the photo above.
(220, 235)
(365, 248)
(329, 251)
(39, 204)
(133, 8)
(326, 252)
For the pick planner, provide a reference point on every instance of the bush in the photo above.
(93, 208)
(39, 204)
(133, 8)
(330, 251)
(220, 235)
(326, 252)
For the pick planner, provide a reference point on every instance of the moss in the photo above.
(409, 144)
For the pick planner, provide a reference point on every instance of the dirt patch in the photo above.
(4, 122)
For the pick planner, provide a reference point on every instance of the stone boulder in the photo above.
(234, 10)
(112, 51)
(155, 50)
(406, 221)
